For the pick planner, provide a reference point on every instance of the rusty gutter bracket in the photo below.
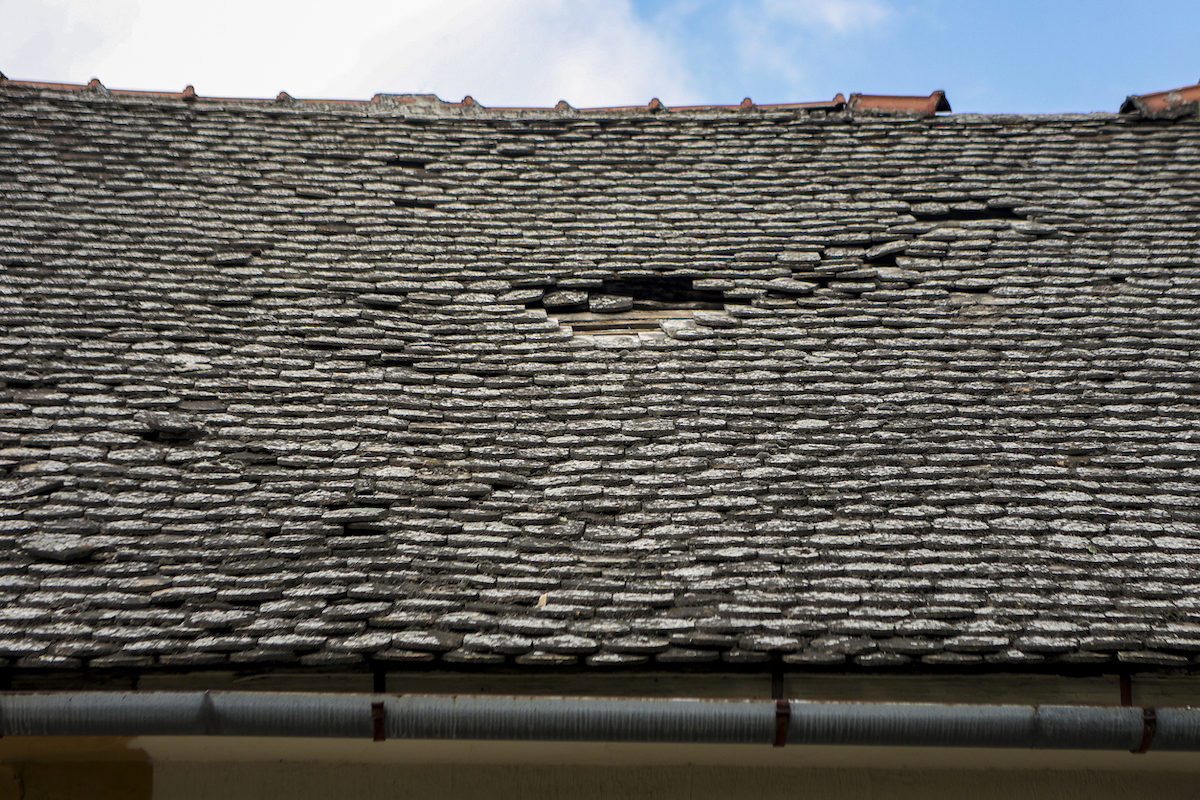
(378, 719)
(1149, 726)
(783, 709)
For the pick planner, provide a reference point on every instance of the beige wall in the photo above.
(75, 780)
(232, 768)
(289, 781)
(73, 768)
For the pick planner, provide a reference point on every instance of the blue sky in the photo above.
(1016, 56)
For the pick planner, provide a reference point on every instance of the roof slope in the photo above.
(280, 386)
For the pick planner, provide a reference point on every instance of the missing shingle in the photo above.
(885, 260)
(19, 381)
(360, 500)
(326, 155)
(392, 360)
(973, 286)
(415, 202)
(938, 212)
(627, 305)
(162, 437)
(363, 529)
(27, 267)
(314, 192)
(406, 163)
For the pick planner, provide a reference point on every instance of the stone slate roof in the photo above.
(280, 387)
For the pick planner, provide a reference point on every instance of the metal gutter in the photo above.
(596, 719)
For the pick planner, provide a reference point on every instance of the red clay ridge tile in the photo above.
(899, 104)
(1171, 104)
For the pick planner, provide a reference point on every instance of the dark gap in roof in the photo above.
(172, 437)
(393, 360)
(821, 279)
(627, 305)
(642, 293)
(253, 455)
(314, 192)
(359, 501)
(327, 156)
(413, 202)
(28, 266)
(669, 290)
(512, 150)
(956, 215)
(885, 260)
(362, 529)
(406, 163)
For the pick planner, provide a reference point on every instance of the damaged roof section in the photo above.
(296, 384)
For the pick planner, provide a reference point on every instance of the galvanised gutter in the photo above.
(596, 719)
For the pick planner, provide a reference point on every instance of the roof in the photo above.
(404, 382)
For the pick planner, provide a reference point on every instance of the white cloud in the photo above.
(60, 40)
(529, 52)
(838, 16)
(784, 38)
(501, 52)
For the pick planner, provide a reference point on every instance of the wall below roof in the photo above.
(55, 780)
(188, 781)
(185, 767)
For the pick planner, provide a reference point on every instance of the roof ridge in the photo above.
(432, 104)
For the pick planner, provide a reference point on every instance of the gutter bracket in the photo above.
(1149, 725)
(378, 717)
(783, 715)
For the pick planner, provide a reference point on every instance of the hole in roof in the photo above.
(406, 163)
(413, 202)
(172, 437)
(937, 212)
(884, 260)
(362, 529)
(627, 305)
